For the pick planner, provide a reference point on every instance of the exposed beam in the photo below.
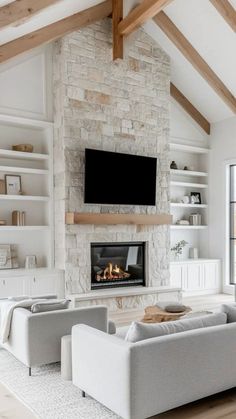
(227, 11)
(117, 16)
(140, 14)
(173, 33)
(20, 10)
(189, 108)
(55, 30)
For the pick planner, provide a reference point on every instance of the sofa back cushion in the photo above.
(49, 305)
(141, 331)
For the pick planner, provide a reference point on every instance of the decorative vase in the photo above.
(173, 165)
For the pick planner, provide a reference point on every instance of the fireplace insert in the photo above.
(117, 264)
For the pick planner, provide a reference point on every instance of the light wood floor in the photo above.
(218, 406)
(205, 302)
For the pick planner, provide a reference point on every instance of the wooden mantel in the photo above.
(97, 218)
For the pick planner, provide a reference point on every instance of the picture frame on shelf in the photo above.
(13, 185)
(195, 198)
(5, 256)
(2, 187)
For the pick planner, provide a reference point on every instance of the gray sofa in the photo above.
(35, 339)
(143, 379)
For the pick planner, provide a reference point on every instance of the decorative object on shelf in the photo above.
(26, 148)
(173, 165)
(14, 258)
(195, 219)
(13, 184)
(177, 249)
(2, 187)
(30, 262)
(185, 199)
(195, 198)
(193, 253)
(186, 168)
(18, 218)
(5, 256)
(2, 223)
(183, 222)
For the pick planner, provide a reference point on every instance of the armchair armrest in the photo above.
(101, 367)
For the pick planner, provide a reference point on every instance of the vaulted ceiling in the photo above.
(212, 36)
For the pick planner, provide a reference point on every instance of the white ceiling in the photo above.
(201, 24)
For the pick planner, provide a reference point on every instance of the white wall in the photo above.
(223, 150)
(26, 85)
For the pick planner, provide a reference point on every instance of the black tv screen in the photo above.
(120, 179)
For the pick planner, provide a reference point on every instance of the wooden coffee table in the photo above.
(154, 314)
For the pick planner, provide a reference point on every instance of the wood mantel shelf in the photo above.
(97, 218)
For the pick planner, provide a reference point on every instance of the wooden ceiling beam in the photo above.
(20, 10)
(55, 30)
(140, 14)
(184, 46)
(117, 16)
(227, 11)
(189, 108)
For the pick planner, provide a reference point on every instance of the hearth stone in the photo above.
(127, 298)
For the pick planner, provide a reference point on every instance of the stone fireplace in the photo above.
(120, 106)
(116, 265)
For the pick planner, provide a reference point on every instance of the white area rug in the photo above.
(46, 394)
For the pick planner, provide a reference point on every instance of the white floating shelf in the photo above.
(188, 148)
(23, 198)
(24, 228)
(188, 227)
(188, 185)
(180, 205)
(187, 173)
(19, 155)
(25, 122)
(22, 170)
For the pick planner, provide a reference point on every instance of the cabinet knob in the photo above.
(4, 282)
(34, 280)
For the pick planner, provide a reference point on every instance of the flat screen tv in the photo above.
(119, 179)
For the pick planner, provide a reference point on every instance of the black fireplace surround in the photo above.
(117, 264)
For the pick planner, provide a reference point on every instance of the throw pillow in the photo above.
(230, 310)
(140, 331)
(49, 305)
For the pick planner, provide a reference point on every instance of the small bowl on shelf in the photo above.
(26, 148)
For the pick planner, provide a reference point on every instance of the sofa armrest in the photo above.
(101, 367)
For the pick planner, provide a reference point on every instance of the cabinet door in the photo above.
(193, 279)
(13, 286)
(211, 275)
(176, 272)
(40, 285)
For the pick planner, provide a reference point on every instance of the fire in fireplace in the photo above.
(117, 264)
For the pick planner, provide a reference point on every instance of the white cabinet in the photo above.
(196, 277)
(176, 275)
(11, 286)
(33, 282)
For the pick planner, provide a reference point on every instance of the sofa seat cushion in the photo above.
(49, 305)
(140, 331)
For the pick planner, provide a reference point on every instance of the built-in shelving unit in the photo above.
(191, 176)
(189, 185)
(188, 173)
(36, 200)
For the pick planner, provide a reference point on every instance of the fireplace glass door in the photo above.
(117, 264)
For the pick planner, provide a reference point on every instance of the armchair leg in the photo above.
(83, 394)
(29, 371)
